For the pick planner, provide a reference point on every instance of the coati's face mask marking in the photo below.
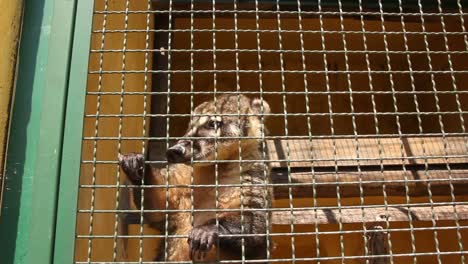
(215, 135)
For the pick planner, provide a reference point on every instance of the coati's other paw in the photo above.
(201, 240)
(133, 164)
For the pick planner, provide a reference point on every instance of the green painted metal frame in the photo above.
(71, 161)
(34, 158)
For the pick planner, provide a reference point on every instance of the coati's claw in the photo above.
(133, 164)
(201, 240)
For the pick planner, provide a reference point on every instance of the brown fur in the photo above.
(180, 198)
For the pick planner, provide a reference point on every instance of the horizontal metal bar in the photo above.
(289, 160)
(277, 234)
(279, 71)
(394, 255)
(288, 114)
(275, 12)
(292, 137)
(284, 51)
(454, 92)
(315, 4)
(296, 209)
(292, 184)
(304, 31)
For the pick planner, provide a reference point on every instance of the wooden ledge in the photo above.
(373, 215)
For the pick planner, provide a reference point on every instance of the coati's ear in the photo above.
(199, 107)
(260, 106)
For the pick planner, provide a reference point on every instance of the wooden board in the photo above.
(373, 215)
(368, 151)
(370, 163)
(372, 183)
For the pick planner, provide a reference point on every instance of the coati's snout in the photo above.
(176, 154)
(179, 153)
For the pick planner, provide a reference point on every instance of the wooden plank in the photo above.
(369, 215)
(380, 161)
(367, 151)
(372, 183)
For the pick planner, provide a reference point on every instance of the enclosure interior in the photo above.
(367, 126)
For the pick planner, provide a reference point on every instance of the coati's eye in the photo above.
(213, 124)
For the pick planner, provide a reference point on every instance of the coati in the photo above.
(228, 119)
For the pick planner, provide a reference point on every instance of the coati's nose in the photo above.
(176, 154)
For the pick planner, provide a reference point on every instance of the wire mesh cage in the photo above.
(366, 135)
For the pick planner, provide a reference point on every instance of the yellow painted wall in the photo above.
(10, 24)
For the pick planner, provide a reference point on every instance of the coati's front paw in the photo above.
(133, 164)
(201, 240)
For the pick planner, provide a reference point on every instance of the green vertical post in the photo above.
(27, 225)
(68, 192)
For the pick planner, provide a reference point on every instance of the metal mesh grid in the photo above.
(367, 135)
